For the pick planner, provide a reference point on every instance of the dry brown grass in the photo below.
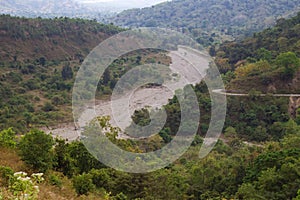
(10, 158)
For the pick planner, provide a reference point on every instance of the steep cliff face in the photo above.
(296, 81)
(294, 101)
(293, 106)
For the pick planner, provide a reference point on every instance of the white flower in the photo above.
(38, 174)
(38, 177)
(26, 196)
(36, 188)
(20, 174)
(24, 179)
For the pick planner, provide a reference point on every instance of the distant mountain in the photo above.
(118, 5)
(100, 10)
(232, 17)
(47, 8)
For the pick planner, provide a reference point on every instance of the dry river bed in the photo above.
(190, 67)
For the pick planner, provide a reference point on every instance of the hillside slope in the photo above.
(59, 39)
(268, 61)
(230, 17)
(284, 36)
(39, 59)
(38, 62)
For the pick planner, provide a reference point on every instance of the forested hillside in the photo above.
(210, 17)
(38, 62)
(268, 61)
(39, 59)
(61, 39)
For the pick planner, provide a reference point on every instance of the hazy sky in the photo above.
(127, 1)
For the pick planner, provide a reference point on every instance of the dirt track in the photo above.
(220, 91)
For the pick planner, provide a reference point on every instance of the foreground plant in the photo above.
(24, 187)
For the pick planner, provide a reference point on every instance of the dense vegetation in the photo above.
(254, 117)
(283, 37)
(207, 20)
(39, 61)
(267, 61)
(232, 170)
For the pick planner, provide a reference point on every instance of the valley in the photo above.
(47, 153)
(153, 98)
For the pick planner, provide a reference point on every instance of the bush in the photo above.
(25, 187)
(55, 180)
(289, 62)
(36, 150)
(48, 107)
(7, 138)
(83, 184)
(57, 100)
(120, 196)
(5, 174)
(100, 178)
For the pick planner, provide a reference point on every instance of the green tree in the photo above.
(48, 106)
(297, 120)
(120, 196)
(63, 161)
(5, 173)
(290, 63)
(298, 196)
(166, 134)
(67, 72)
(264, 54)
(138, 60)
(100, 178)
(248, 191)
(141, 117)
(230, 132)
(82, 158)
(212, 51)
(36, 150)
(106, 77)
(42, 61)
(7, 138)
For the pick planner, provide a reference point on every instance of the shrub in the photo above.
(55, 180)
(24, 187)
(100, 177)
(7, 138)
(289, 62)
(83, 184)
(5, 173)
(120, 196)
(48, 107)
(36, 150)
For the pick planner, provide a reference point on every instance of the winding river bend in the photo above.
(154, 97)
